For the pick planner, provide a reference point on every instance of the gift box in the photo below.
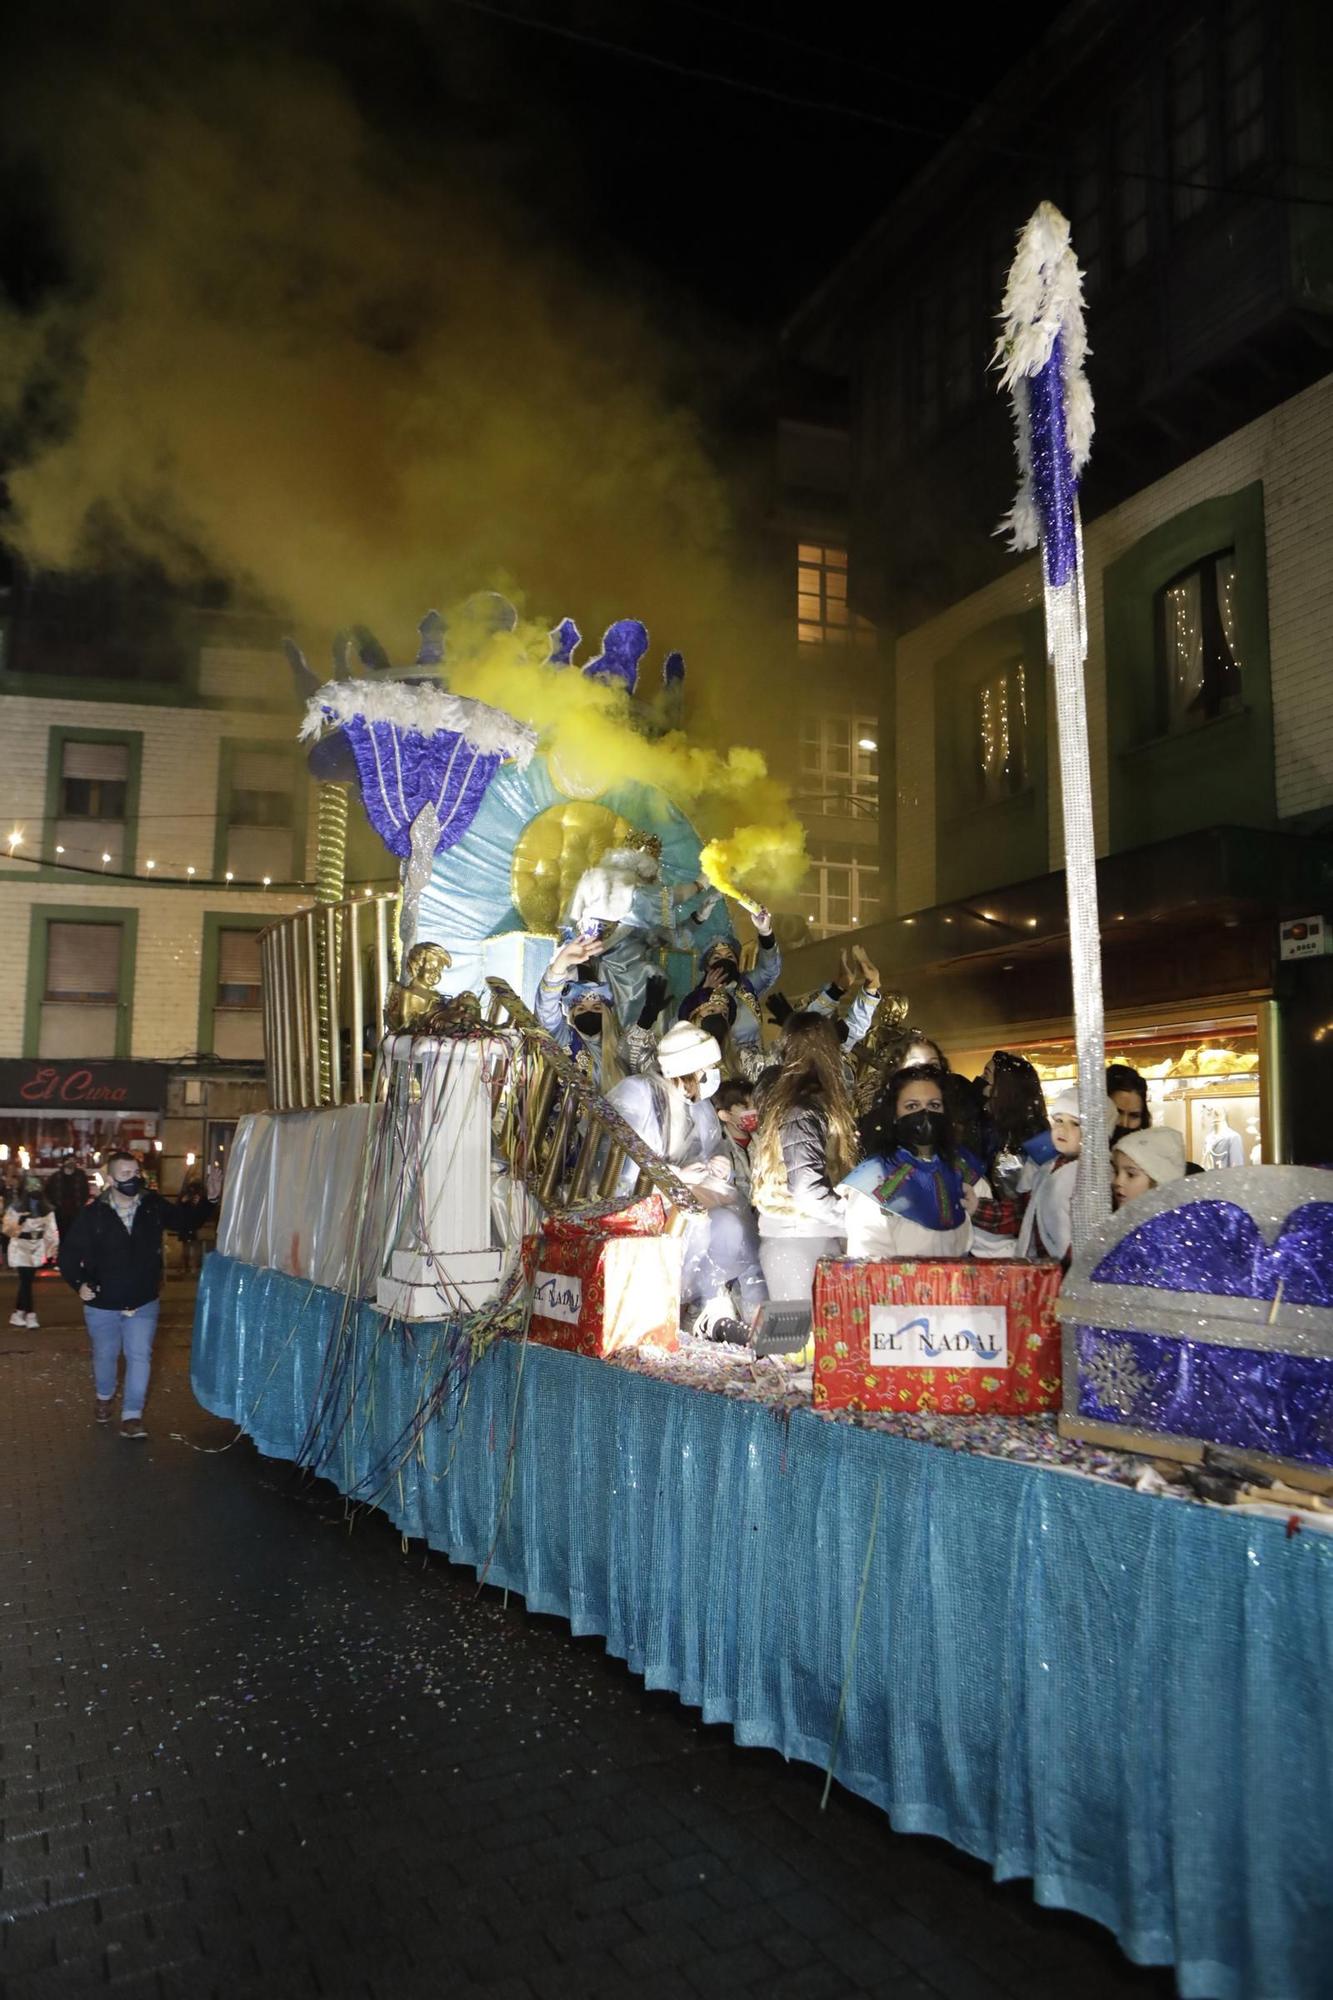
(942, 1334)
(1201, 1315)
(598, 1289)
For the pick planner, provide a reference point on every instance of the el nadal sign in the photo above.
(73, 1087)
(939, 1336)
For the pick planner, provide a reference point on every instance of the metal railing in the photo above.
(326, 975)
(559, 1136)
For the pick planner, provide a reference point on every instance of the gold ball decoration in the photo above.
(553, 851)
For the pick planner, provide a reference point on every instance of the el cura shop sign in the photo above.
(79, 1088)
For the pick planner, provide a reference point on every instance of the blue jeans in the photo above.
(111, 1332)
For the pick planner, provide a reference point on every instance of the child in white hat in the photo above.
(1048, 1229)
(1143, 1160)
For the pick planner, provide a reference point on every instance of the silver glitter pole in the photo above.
(1067, 649)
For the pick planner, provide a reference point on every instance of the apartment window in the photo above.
(1000, 734)
(80, 992)
(1199, 666)
(91, 784)
(823, 615)
(842, 889)
(1187, 125)
(237, 1018)
(259, 807)
(1131, 183)
(840, 765)
(1243, 61)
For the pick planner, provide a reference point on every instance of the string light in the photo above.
(268, 881)
(189, 871)
(60, 850)
(15, 839)
(105, 860)
(150, 864)
(230, 876)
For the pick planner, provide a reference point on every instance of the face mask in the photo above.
(710, 1082)
(748, 1122)
(920, 1129)
(587, 1025)
(134, 1185)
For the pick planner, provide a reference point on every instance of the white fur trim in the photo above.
(429, 709)
(1043, 298)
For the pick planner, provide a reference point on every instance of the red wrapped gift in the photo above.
(595, 1293)
(936, 1334)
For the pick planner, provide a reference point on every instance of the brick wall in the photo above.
(1291, 451)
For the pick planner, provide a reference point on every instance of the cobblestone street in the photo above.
(250, 1751)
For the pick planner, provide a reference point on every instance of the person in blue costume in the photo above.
(911, 1196)
(580, 1015)
(720, 970)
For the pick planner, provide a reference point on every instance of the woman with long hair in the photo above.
(913, 1194)
(805, 1145)
(1019, 1146)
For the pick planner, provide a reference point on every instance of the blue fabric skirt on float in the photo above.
(1123, 1697)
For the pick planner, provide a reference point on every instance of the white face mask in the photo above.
(710, 1082)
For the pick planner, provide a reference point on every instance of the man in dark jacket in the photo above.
(112, 1256)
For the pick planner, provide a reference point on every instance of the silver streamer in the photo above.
(1067, 649)
(416, 874)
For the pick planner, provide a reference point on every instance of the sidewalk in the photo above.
(248, 1748)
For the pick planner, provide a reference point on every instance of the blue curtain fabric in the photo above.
(1124, 1698)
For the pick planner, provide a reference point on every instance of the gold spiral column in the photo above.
(330, 887)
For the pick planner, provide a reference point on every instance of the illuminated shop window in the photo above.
(823, 616)
(1199, 664)
(1001, 734)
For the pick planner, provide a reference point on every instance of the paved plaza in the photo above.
(250, 1747)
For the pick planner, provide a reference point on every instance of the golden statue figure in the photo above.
(416, 993)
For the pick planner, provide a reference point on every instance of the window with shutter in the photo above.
(94, 780)
(238, 969)
(262, 788)
(83, 963)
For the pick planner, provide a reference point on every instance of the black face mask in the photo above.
(922, 1128)
(134, 1185)
(588, 1025)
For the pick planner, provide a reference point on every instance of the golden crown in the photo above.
(643, 843)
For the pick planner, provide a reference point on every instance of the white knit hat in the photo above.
(686, 1050)
(1066, 1106)
(1159, 1151)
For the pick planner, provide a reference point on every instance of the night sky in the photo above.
(601, 120)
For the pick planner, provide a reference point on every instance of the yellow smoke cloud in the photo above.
(354, 390)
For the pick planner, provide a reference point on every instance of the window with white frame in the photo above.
(841, 891)
(839, 764)
(823, 615)
(1199, 663)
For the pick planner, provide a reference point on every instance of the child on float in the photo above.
(739, 1119)
(912, 1195)
(1141, 1160)
(720, 973)
(804, 1146)
(1048, 1224)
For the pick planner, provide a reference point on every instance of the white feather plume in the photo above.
(425, 707)
(1043, 298)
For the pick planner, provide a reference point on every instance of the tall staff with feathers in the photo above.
(1040, 356)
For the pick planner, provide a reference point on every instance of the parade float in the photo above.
(447, 1278)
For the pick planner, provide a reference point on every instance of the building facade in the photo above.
(156, 815)
(1190, 146)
